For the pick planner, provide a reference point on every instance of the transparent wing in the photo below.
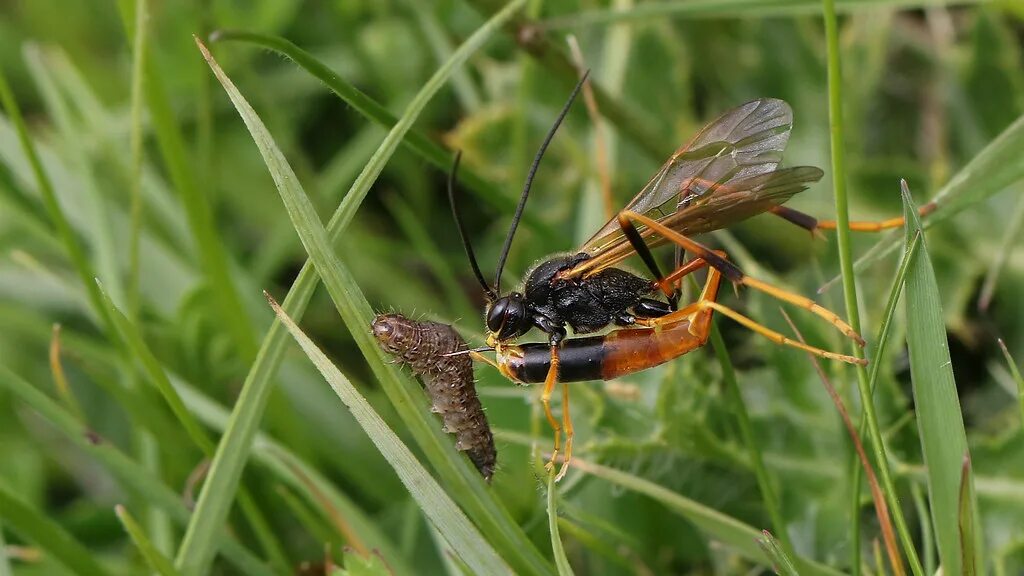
(740, 144)
(738, 200)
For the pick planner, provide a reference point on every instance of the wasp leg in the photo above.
(567, 427)
(549, 386)
(699, 314)
(812, 224)
(735, 275)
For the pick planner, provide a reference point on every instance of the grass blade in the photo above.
(781, 563)
(157, 561)
(215, 263)
(420, 144)
(76, 253)
(47, 534)
(1016, 377)
(738, 536)
(561, 561)
(991, 171)
(728, 9)
(446, 516)
(966, 523)
(131, 475)
(493, 518)
(940, 425)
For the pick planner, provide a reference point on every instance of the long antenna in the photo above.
(529, 182)
(491, 295)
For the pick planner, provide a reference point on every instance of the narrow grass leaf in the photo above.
(157, 561)
(1016, 377)
(405, 395)
(209, 246)
(729, 9)
(781, 564)
(156, 374)
(5, 562)
(561, 561)
(991, 171)
(76, 253)
(966, 523)
(940, 424)
(158, 377)
(420, 144)
(739, 407)
(50, 537)
(444, 513)
(740, 537)
(133, 476)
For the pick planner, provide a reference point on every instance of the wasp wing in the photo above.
(741, 143)
(728, 204)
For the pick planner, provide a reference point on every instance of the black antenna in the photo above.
(462, 231)
(529, 181)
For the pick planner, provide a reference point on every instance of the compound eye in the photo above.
(496, 315)
(515, 318)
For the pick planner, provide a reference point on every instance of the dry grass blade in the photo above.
(881, 508)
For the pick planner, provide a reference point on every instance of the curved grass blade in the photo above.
(157, 561)
(420, 144)
(966, 523)
(729, 9)
(939, 420)
(781, 564)
(53, 539)
(740, 537)
(213, 258)
(508, 538)
(131, 475)
(1016, 378)
(991, 171)
(561, 561)
(444, 513)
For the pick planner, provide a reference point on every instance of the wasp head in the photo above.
(508, 317)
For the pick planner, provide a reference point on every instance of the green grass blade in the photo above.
(561, 561)
(442, 511)
(301, 476)
(493, 518)
(730, 9)
(940, 425)
(420, 144)
(1012, 365)
(215, 263)
(968, 537)
(67, 235)
(195, 432)
(132, 475)
(157, 376)
(157, 561)
(5, 562)
(49, 536)
(739, 407)
(738, 536)
(781, 564)
(991, 171)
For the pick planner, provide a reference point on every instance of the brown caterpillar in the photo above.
(448, 380)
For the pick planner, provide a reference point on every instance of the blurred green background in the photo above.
(927, 86)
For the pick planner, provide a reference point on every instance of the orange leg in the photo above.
(733, 273)
(699, 315)
(813, 224)
(545, 399)
(569, 433)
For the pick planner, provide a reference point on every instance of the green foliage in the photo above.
(123, 160)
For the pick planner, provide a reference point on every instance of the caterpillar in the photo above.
(448, 381)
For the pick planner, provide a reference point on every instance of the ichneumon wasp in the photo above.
(727, 173)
